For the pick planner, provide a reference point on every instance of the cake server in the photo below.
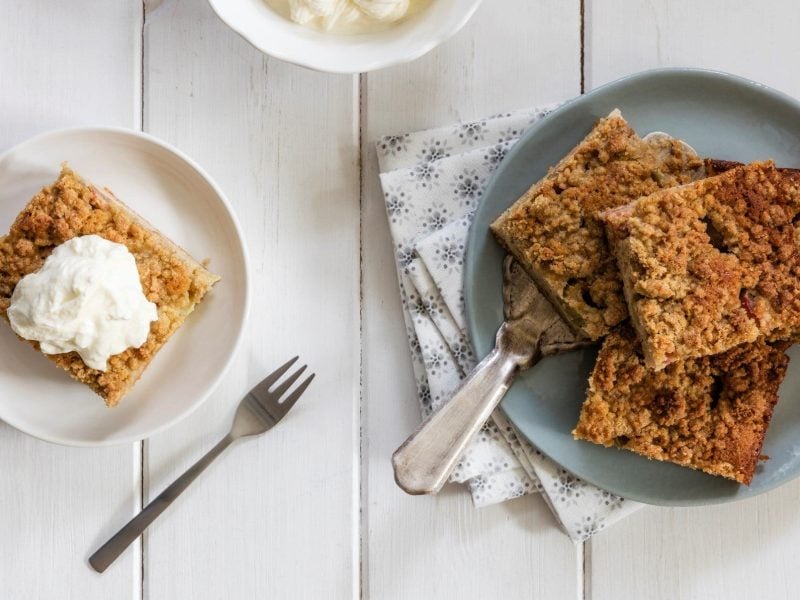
(532, 329)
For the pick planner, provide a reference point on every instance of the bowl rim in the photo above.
(370, 64)
(241, 246)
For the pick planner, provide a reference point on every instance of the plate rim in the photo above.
(473, 239)
(241, 246)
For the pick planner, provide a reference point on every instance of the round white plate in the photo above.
(172, 192)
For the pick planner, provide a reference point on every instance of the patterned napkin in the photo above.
(432, 181)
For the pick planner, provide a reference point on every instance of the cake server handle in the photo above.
(425, 460)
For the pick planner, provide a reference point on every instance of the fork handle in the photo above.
(423, 463)
(110, 551)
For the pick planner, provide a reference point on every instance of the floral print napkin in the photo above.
(432, 182)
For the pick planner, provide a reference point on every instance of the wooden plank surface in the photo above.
(311, 510)
(736, 551)
(443, 547)
(745, 550)
(58, 504)
(276, 517)
(753, 39)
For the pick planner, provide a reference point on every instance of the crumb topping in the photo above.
(709, 413)
(554, 230)
(712, 264)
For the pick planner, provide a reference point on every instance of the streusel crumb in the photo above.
(554, 231)
(709, 413)
(712, 264)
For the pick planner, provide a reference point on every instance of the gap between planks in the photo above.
(585, 547)
(143, 446)
(363, 448)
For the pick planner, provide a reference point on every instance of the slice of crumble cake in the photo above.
(554, 231)
(708, 413)
(170, 278)
(712, 264)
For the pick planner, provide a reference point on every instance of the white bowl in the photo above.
(268, 31)
(172, 192)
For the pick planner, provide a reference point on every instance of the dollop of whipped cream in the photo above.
(331, 15)
(87, 298)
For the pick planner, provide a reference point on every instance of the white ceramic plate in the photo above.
(168, 189)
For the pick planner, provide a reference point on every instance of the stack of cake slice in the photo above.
(711, 265)
(703, 257)
(554, 230)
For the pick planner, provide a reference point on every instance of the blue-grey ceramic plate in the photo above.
(719, 115)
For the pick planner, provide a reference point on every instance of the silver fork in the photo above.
(258, 412)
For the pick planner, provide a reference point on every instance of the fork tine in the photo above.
(281, 389)
(270, 379)
(295, 395)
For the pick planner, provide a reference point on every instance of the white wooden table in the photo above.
(316, 514)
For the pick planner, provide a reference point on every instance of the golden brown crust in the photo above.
(708, 413)
(170, 277)
(712, 264)
(717, 166)
(554, 232)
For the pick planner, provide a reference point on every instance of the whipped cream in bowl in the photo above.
(86, 298)
(347, 16)
(345, 36)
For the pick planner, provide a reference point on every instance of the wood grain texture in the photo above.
(753, 39)
(736, 551)
(276, 517)
(443, 547)
(57, 504)
(69, 64)
(745, 550)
